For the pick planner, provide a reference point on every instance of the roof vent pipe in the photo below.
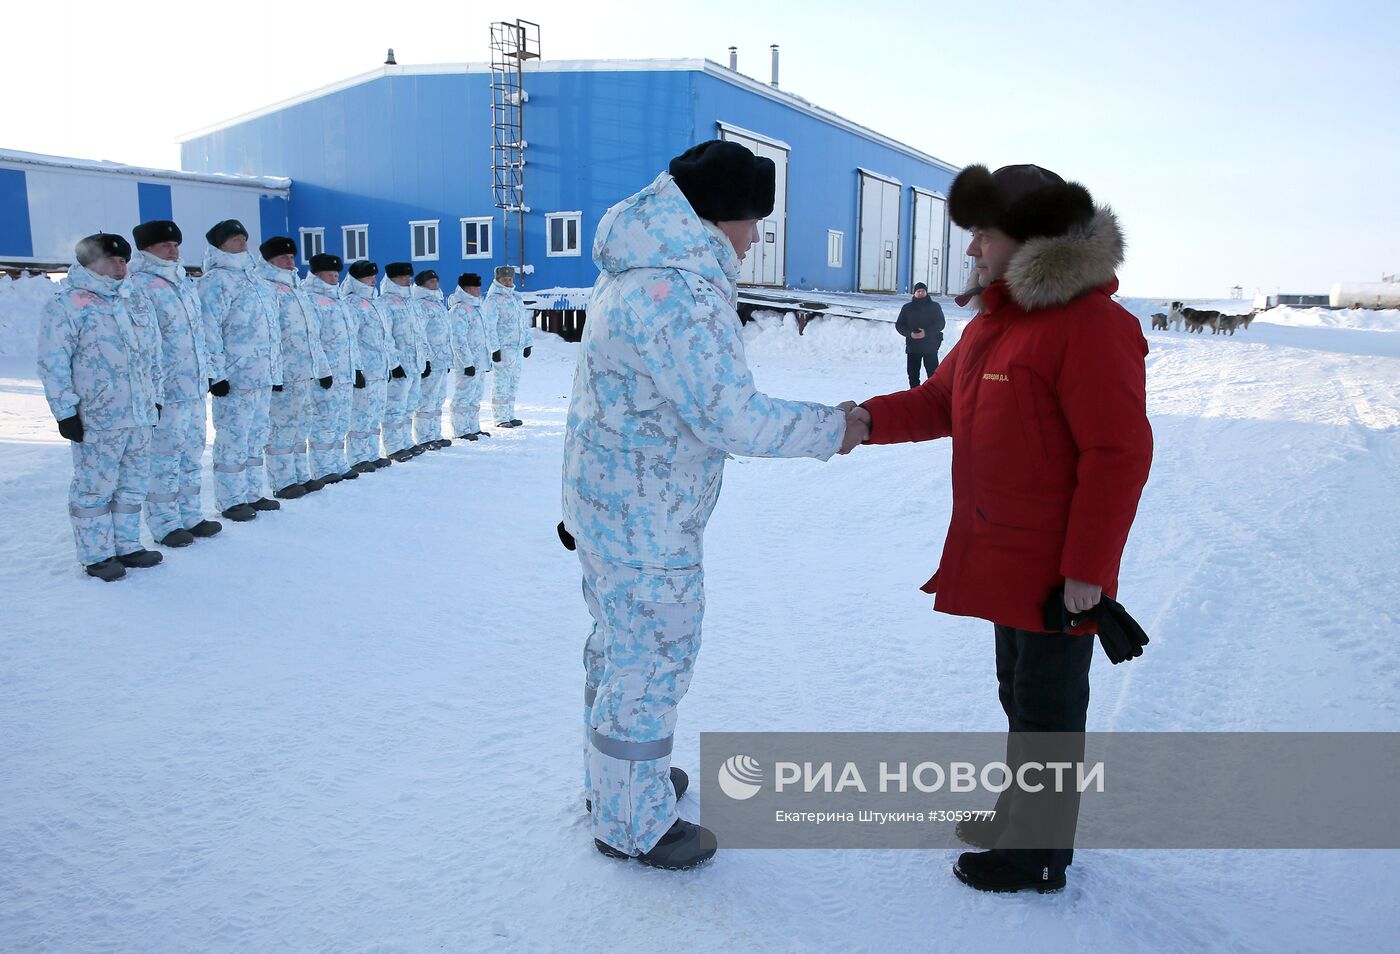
(389, 60)
(774, 81)
(734, 58)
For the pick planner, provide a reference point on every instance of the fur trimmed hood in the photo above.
(1054, 270)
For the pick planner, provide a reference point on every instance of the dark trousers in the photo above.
(929, 361)
(1043, 681)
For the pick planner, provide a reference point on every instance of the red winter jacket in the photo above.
(1045, 399)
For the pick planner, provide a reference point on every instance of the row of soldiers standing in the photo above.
(314, 380)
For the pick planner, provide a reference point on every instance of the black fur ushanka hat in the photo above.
(1024, 201)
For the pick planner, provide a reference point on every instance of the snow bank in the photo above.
(773, 334)
(1355, 319)
(21, 302)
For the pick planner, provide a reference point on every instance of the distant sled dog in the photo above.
(1159, 321)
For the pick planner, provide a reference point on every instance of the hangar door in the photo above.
(879, 232)
(926, 264)
(959, 264)
(765, 262)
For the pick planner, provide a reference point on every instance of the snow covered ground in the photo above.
(354, 725)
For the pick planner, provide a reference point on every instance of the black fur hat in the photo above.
(724, 181)
(363, 269)
(1025, 202)
(469, 280)
(101, 245)
(425, 276)
(277, 245)
(161, 230)
(224, 231)
(397, 269)
(325, 263)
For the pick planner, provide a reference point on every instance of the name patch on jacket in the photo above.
(993, 376)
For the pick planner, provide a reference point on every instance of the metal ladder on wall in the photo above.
(511, 45)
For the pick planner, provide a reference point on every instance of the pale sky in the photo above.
(1247, 143)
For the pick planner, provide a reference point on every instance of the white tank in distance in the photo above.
(1365, 295)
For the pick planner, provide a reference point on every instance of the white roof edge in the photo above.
(750, 134)
(272, 183)
(878, 175)
(707, 66)
(929, 192)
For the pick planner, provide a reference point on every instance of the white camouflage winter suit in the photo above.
(437, 335)
(509, 319)
(245, 349)
(330, 409)
(177, 450)
(374, 342)
(409, 352)
(99, 354)
(662, 395)
(473, 340)
(303, 362)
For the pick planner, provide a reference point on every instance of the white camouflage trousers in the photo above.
(109, 486)
(177, 458)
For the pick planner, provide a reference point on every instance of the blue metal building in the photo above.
(47, 203)
(396, 164)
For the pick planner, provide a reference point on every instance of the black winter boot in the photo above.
(206, 528)
(351, 474)
(990, 871)
(177, 538)
(684, 846)
(264, 504)
(331, 479)
(240, 513)
(140, 559)
(106, 570)
(291, 492)
(466, 437)
(364, 467)
(314, 485)
(383, 462)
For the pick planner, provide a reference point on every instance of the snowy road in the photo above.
(354, 725)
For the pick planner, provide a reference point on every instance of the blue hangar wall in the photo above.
(407, 147)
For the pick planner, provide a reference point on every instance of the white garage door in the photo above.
(879, 232)
(765, 264)
(930, 226)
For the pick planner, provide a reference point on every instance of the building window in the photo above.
(476, 237)
(835, 247)
(313, 242)
(563, 229)
(425, 240)
(356, 242)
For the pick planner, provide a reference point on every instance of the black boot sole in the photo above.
(1041, 887)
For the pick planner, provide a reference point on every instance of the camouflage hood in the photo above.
(657, 228)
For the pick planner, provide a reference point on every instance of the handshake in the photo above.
(857, 426)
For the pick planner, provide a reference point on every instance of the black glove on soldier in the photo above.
(72, 428)
(359, 379)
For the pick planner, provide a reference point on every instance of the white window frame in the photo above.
(436, 242)
(835, 248)
(566, 217)
(319, 234)
(479, 221)
(345, 232)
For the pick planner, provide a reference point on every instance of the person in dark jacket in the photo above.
(921, 324)
(1044, 397)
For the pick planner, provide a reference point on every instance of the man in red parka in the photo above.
(1044, 397)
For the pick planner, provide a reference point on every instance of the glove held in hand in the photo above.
(1119, 634)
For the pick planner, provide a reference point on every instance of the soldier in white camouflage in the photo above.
(437, 335)
(99, 361)
(374, 342)
(473, 340)
(662, 396)
(244, 339)
(509, 320)
(304, 369)
(411, 360)
(174, 511)
(330, 407)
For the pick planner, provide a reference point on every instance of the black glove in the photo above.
(565, 537)
(277, 387)
(469, 372)
(527, 352)
(218, 388)
(398, 372)
(326, 382)
(427, 370)
(496, 355)
(1119, 634)
(72, 428)
(359, 379)
(159, 408)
